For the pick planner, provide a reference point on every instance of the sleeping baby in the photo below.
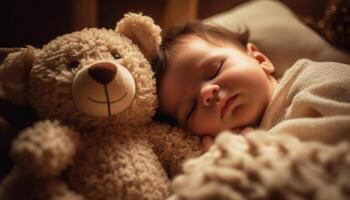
(211, 79)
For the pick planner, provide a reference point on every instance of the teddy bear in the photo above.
(95, 94)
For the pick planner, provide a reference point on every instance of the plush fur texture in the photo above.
(71, 155)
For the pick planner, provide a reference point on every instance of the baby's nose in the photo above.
(103, 72)
(208, 93)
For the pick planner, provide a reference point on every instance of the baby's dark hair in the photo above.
(206, 32)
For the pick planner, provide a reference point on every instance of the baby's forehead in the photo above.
(186, 41)
(190, 39)
(186, 53)
(199, 41)
(187, 48)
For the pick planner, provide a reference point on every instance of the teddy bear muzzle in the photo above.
(103, 89)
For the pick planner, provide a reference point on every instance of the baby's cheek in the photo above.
(203, 124)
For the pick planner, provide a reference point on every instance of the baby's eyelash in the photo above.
(219, 70)
(193, 107)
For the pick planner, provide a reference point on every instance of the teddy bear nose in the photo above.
(102, 72)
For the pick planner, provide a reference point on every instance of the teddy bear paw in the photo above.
(45, 149)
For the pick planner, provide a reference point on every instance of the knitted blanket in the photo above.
(266, 166)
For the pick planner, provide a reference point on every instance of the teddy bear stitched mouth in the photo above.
(108, 102)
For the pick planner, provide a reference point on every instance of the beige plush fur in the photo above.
(71, 155)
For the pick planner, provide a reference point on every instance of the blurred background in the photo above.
(35, 22)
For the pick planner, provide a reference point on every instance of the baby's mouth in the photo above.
(227, 105)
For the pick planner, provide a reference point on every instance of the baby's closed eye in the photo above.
(215, 69)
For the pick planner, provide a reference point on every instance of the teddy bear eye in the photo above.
(73, 65)
(116, 56)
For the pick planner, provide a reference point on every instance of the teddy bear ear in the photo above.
(14, 72)
(142, 31)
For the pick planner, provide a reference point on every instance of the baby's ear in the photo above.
(14, 74)
(142, 31)
(262, 59)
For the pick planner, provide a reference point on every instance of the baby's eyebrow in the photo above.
(208, 60)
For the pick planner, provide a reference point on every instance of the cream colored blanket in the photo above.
(312, 102)
(266, 167)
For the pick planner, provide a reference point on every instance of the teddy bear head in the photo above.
(90, 77)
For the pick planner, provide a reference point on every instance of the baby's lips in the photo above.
(227, 105)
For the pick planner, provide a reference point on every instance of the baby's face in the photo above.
(209, 88)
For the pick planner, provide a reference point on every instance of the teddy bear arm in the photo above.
(122, 168)
(45, 149)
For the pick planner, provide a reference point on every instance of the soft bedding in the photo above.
(301, 150)
(264, 166)
(311, 102)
